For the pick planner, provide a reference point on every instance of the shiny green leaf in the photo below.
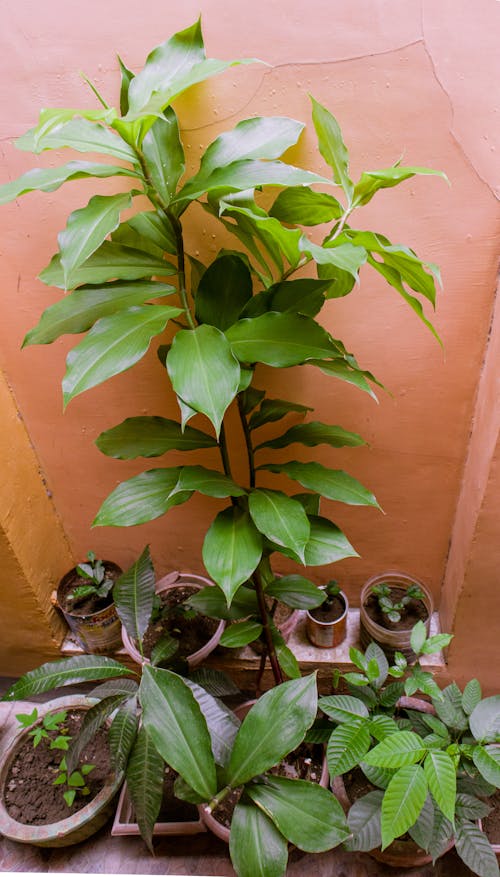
(260, 137)
(257, 848)
(164, 155)
(68, 671)
(397, 750)
(49, 179)
(280, 340)
(484, 720)
(110, 262)
(240, 634)
(347, 257)
(331, 483)
(332, 146)
(145, 770)
(315, 433)
(298, 205)
(440, 773)
(271, 410)
(133, 593)
(343, 707)
(122, 733)
(150, 437)
(82, 135)
(371, 181)
(150, 230)
(327, 543)
(223, 291)
(487, 761)
(232, 550)
(347, 746)
(471, 696)
(403, 800)
(281, 519)
(221, 722)
(141, 498)
(296, 591)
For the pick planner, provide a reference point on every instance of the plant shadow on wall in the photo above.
(250, 305)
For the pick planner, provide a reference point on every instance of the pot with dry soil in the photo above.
(85, 598)
(32, 808)
(391, 604)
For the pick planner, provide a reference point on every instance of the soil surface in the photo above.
(85, 605)
(192, 633)
(173, 809)
(331, 610)
(413, 611)
(491, 824)
(306, 763)
(30, 796)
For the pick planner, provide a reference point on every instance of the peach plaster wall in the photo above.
(404, 78)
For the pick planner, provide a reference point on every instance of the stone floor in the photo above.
(199, 856)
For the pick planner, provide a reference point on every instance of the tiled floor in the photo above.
(198, 856)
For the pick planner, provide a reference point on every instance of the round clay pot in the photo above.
(75, 828)
(96, 632)
(216, 827)
(327, 634)
(391, 641)
(168, 582)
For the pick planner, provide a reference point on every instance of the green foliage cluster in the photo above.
(99, 584)
(395, 609)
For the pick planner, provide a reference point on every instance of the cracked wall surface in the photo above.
(404, 78)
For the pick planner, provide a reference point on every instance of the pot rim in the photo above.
(337, 620)
(96, 615)
(393, 637)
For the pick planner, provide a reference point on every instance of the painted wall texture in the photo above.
(411, 78)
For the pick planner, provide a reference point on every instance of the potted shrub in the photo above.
(41, 801)
(250, 306)
(390, 605)
(85, 597)
(326, 625)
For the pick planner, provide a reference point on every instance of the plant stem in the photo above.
(224, 452)
(218, 798)
(248, 442)
(271, 650)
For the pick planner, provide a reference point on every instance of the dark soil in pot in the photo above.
(329, 611)
(30, 796)
(414, 611)
(173, 809)
(192, 632)
(491, 823)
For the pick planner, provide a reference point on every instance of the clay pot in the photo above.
(98, 632)
(124, 822)
(175, 580)
(80, 825)
(327, 634)
(391, 641)
(216, 827)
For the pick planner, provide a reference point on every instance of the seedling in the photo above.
(332, 590)
(99, 584)
(394, 610)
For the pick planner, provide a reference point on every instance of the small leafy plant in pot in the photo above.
(390, 606)
(326, 625)
(248, 308)
(85, 597)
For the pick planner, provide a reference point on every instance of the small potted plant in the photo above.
(85, 597)
(390, 606)
(326, 625)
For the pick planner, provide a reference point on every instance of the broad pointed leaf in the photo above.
(487, 761)
(275, 409)
(222, 723)
(145, 770)
(257, 848)
(281, 519)
(371, 181)
(141, 498)
(304, 296)
(296, 591)
(204, 372)
(150, 437)
(240, 634)
(347, 746)
(278, 240)
(82, 135)
(474, 849)
(69, 671)
(93, 719)
(298, 205)
(471, 696)
(110, 262)
(86, 229)
(363, 820)
(422, 830)
(449, 708)
(343, 707)
(332, 146)
(327, 543)
(280, 340)
(308, 815)
(223, 291)
(49, 179)
(397, 750)
(260, 137)
(440, 773)
(331, 483)
(485, 720)
(286, 658)
(150, 231)
(113, 345)
(174, 721)
(212, 602)
(275, 725)
(207, 481)
(232, 550)
(315, 433)
(347, 257)
(122, 733)
(340, 369)
(215, 682)
(164, 155)
(403, 800)
(79, 310)
(133, 594)
(378, 776)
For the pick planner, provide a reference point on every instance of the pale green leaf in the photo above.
(49, 179)
(347, 746)
(439, 769)
(332, 146)
(403, 800)
(281, 519)
(232, 550)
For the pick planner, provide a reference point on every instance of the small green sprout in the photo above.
(394, 610)
(99, 584)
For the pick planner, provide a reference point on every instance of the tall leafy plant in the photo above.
(128, 281)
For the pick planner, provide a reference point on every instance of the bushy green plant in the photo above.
(395, 609)
(98, 583)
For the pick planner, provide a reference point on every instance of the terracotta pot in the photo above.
(124, 822)
(210, 821)
(175, 580)
(99, 631)
(76, 827)
(328, 634)
(391, 641)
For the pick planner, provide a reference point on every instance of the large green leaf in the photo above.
(257, 848)
(397, 750)
(212, 602)
(223, 291)
(110, 262)
(474, 849)
(150, 230)
(422, 830)
(49, 179)
(343, 707)
(403, 800)
(232, 550)
(204, 372)
(240, 634)
(305, 813)
(79, 310)
(332, 146)
(371, 181)
(347, 257)
(86, 229)
(298, 205)
(145, 770)
(303, 296)
(327, 543)
(221, 722)
(278, 240)
(164, 155)
(440, 773)
(275, 726)
(487, 761)
(260, 137)
(281, 519)
(484, 720)
(133, 594)
(449, 708)
(342, 370)
(122, 733)
(69, 671)
(271, 410)
(113, 345)
(141, 498)
(207, 481)
(395, 280)
(331, 483)
(471, 696)
(347, 746)
(151, 437)
(82, 135)
(315, 433)
(296, 591)
(363, 820)
(280, 340)
(174, 721)
(93, 719)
